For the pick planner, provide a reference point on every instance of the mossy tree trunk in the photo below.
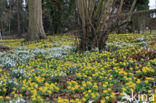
(35, 29)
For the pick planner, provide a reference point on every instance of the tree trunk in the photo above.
(2, 32)
(0, 27)
(35, 29)
(9, 22)
(19, 27)
(18, 17)
(9, 25)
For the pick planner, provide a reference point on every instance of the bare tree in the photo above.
(35, 29)
(98, 18)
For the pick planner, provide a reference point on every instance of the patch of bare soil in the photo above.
(4, 48)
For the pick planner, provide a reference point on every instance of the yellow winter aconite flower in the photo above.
(1, 97)
(1, 69)
(107, 97)
(4, 89)
(84, 99)
(109, 89)
(7, 97)
(124, 89)
(104, 85)
(102, 101)
(93, 95)
(112, 95)
(105, 91)
(122, 94)
(138, 81)
(146, 81)
(34, 99)
(86, 95)
(149, 91)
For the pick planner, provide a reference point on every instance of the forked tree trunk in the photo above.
(98, 18)
(35, 29)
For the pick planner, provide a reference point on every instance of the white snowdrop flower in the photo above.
(91, 101)
(121, 102)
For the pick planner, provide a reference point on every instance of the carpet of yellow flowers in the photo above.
(127, 65)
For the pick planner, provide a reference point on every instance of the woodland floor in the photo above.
(50, 71)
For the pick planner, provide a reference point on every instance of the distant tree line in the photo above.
(58, 15)
(13, 17)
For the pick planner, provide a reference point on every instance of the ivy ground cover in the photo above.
(50, 71)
